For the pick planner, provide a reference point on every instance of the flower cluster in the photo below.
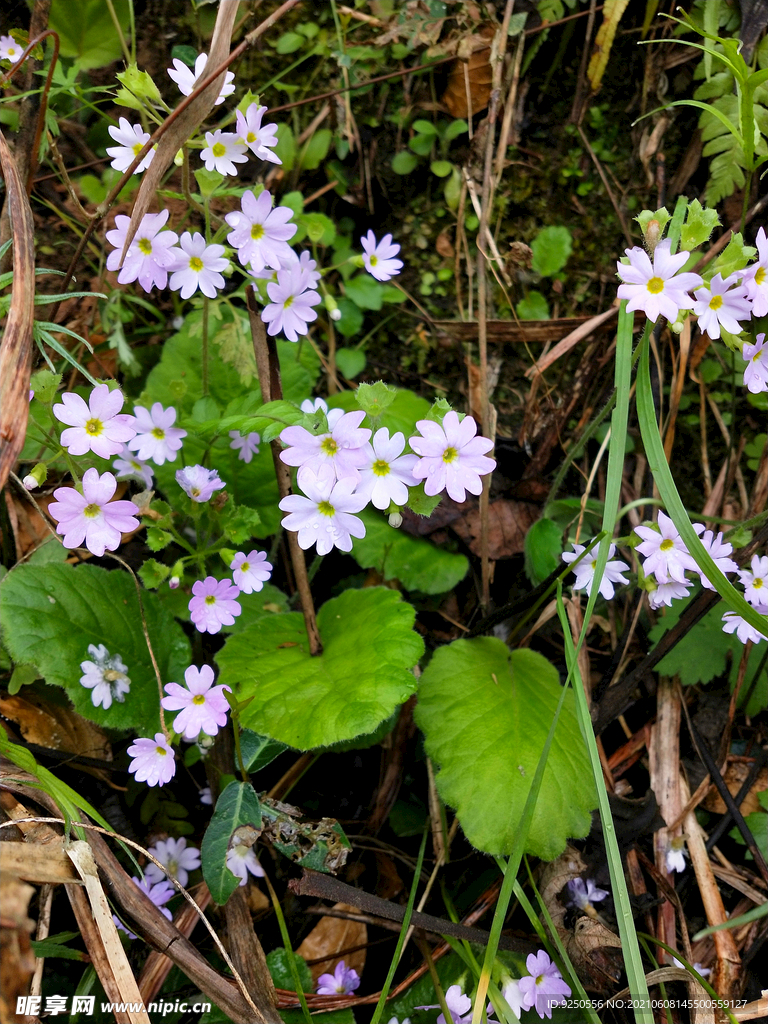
(657, 288)
(342, 469)
(664, 567)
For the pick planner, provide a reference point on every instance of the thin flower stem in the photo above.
(206, 308)
(288, 949)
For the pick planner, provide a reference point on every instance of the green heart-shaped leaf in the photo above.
(485, 714)
(364, 672)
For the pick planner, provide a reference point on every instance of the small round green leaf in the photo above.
(485, 713)
(442, 168)
(404, 162)
(551, 249)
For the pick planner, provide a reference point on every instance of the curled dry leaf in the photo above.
(331, 936)
(470, 78)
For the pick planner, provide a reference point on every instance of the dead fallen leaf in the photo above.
(735, 774)
(470, 79)
(332, 935)
(17, 961)
(509, 522)
(444, 245)
(57, 728)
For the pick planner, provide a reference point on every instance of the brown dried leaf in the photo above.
(444, 245)
(472, 74)
(735, 774)
(17, 961)
(332, 935)
(509, 522)
(57, 728)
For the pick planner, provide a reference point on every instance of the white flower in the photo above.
(250, 572)
(156, 437)
(131, 139)
(756, 277)
(756, 371)
(129, 467)
(585, 571)
(260, 233)
(177, 858)
(106, 676)
(703, 971)
(379, 257)
(10, 49)
(724, 303)
(718, 550)
(246, 445)
(186, 79)
(325, 517)
(386, 474)
(223, 151)
(97, 426)
(259, 138)
(755, 580)
(666, 593)
(744, 630)
(656, 288)
(667, 556)
(675, 856)
(198, 266)
(199, 483)
(242, 859)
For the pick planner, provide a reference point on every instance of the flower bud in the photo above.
(395, 519)
(36, 476)
(173, 582)
(331, 306)
(335, 314)
(652, 234)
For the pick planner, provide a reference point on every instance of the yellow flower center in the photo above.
(244, 567)
(161, 751)
(250, 137)
(92, 510)
(380, 467)
(138, 148)
(94, 427)
(328, 446)
(759, 275)
(450, 454)
(196, 264)
(219, 149)
(288, 302)
(373, 260)
(666, 544)
(210, 599)
(158, 433)
(655, 285)
(716, 302)
(325, 508)
(757, 584)
(194, 492)
(199, 698)
(112, 675)
(257, 232)
(145, 246)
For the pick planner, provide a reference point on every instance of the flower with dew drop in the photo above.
(246, 445)
(756, 371)
(250, 572)
(666, 555)
(97, 426)
(156, 437)
(242, 859)
(202, 706)
(452, 457)
(656, 288)
(378, 257)
(222, 152)
(214, 604)
(150, 255)
(154, 761)
(106, 676)
(131, 139)
(325, 516)
(259, 138)
(91, 517)
(186, 79)
(387, 474)
(198, 266)
(343, 981)
(199, 483)
(340, 451)
(177, 858)
(585, 571)
(755, 277)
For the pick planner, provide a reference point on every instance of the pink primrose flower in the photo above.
(202, 706)
(723, 303)
(156, 437)
(260, 233)
(341, 450)
(259, 138)
(91, 517)
(452, 457)
(378, 257)
(97, 426)
(325, 517)
(150, 255)
(214, 604)
(250, 572)
(154, 761)
(387, 474)
(656, 288)
(292, 300)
